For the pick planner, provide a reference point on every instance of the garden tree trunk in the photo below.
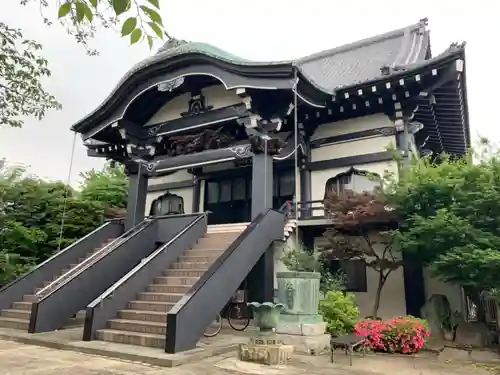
(382, 278)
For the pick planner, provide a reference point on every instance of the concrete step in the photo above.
(14, 323)
(167, 297)
(173, 289)
(160, 297)
(155, 328)
(16, 314)
(197, 259)
(175, 280)
(131, 338)
(143, 316)
(22, 305)
(29, 298)
(147, 305)
(190, 266)
(73, 265)
(185, 273)
(215, 244)
(221, 235)
(76, 321)
(204, 252)
(226, 228)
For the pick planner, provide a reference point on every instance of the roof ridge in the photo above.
(364, 42)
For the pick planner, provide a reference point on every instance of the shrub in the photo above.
(300, 259)
(397, 335)
(339, 311)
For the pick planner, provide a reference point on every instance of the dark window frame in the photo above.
(345, 178)
(355, 270)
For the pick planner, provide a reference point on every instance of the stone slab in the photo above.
(234, 365)
(69, 340)
(271, 355)
(302, 329)
(474, 334)
(313, 345)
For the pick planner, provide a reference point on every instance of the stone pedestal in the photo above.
(265, 350)
(307, 338)
(300, 324)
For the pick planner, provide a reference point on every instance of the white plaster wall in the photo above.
(216, 96)
(178, 176)
(353, 148)
(352, 126)
(392, 299)
(451, 291)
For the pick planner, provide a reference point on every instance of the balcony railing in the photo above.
(307, 210)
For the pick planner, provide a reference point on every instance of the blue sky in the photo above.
(257, 29)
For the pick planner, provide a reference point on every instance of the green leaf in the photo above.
(64, 9)
(93, 3)
(88, 12)
(135, 36)
(80, 11)
(156, 29)
(155, 3)
(150, 41)
(153, 14)
(120, 6)
(129, 25)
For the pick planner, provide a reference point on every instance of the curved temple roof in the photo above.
(363, 62)
(328, 71)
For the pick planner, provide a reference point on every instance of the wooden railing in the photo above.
(308, 210)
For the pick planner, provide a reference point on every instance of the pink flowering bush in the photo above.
(397, 335)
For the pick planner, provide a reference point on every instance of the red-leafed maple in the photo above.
(361, 229)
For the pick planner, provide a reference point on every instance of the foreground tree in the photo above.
(449, 219)
(362, 224)
(37, 217)
(108, 186)
(23, 69)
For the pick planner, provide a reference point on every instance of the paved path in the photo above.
(21, 359)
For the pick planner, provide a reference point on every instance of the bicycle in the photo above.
(234, 315)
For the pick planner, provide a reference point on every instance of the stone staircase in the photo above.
(144, 321)
(18, 316)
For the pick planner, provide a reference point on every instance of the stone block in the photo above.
(474, 334)
(302, 329)
(271, 355)
(313, 345)
(300, 318)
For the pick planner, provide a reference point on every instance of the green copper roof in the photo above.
(174, 47)
(178, 47)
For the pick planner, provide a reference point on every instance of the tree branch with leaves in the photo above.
(359, 220)
(140, 20)
(22, 70)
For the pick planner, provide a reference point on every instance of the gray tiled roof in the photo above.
(330, 70)
(362, 61)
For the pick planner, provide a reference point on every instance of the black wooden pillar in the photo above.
(261, 278)
(305, 192)
(262, 183)
(137, 192)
